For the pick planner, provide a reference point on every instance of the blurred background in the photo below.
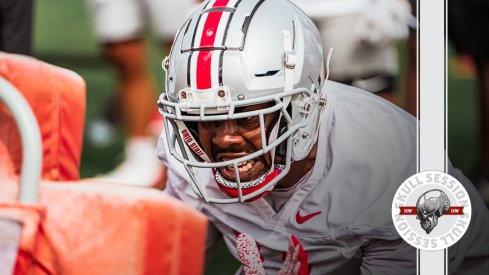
(63, 36)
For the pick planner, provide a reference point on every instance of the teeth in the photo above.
(243, 166)
(230, 184)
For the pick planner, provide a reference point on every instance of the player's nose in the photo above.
(227, 134)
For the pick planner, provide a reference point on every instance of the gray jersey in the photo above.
(341, 211)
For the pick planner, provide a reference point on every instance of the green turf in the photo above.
(64, 37)
(463, 122)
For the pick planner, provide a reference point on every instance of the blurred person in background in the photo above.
(363, 35)
(468, 29)
(16, 26)
(120, 26)
(410, 75)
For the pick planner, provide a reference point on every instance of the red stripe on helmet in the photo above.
(204, 70)
(204, 58)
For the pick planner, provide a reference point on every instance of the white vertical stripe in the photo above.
(432, 108)
(221, 28)
(211, 3)
(432, 82)
(232, 3)
(200, 29)
(193, 70)
(215, 68)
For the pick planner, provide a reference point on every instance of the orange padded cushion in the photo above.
(115, 229)
(57, 98)
(90, 228)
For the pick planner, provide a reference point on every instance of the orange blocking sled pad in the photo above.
(92, 228)
(57, 98)
(82, 227)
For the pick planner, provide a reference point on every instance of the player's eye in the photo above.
(209, 124)
(249, 122)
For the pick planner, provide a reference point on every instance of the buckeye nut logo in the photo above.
(431, 210)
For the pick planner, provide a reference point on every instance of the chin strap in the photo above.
(323, 96)
(189, 139)
(328, 59)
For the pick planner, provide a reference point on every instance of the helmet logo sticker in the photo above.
(191, 142)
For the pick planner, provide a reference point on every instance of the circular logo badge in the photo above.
(431, 210)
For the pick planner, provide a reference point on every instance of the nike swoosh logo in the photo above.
(302, 219)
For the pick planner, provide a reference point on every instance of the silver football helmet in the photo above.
(231, 54)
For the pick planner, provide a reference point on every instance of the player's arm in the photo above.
(388, 257)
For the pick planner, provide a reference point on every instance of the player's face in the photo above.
(230, 139)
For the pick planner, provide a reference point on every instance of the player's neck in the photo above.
(298, 169)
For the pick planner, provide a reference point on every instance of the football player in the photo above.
(295, 172)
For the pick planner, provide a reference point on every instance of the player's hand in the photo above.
(295, 263)
(249, 255)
